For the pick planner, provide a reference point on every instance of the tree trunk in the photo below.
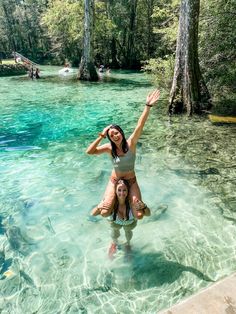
(10, 22)
(131, 60)
(114, 62)
(150, 4)
(87, 71)
(189, 92)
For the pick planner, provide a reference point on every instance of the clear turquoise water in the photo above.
(53, 256)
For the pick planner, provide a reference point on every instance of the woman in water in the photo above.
(122, 217)
(123, 153)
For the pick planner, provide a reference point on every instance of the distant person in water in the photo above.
(18, 59)
(101, 68)
(36, 74)
(31, 73)
(66, 67)
(122, 217)
(123, 154)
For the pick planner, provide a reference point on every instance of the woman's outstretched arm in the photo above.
(151, 100)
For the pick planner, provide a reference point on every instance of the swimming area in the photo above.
(53, 255)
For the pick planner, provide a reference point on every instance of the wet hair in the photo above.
(127, 205)
(124, 144)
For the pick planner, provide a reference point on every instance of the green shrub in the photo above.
(161, 70)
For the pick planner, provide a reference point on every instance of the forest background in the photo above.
(127, 34)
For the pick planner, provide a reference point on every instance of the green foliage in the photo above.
(217, 47)
(162, 70)
(103, 32)
(20, 28)
(64, 21)
(125, 32)
(123, 15)
(64, 18)
(166, 17)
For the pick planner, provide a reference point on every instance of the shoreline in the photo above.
(12, 69)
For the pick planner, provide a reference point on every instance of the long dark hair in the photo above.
(116, 205)
(124, 145)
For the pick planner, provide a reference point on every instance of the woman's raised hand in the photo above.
(153, 97)
(104, 132)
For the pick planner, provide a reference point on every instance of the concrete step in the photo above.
(219, 298)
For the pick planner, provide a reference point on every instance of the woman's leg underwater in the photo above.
(115, 233)
(128, 231)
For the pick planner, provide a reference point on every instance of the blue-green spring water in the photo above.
(53, 255)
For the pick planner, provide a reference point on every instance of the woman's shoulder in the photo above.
(131, 146)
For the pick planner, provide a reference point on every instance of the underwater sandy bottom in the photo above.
(53, 254)
(56, 254)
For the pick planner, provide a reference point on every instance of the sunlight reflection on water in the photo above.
(54, 256)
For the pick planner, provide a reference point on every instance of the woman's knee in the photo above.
(105, 208)
(139, 215)
(105, 213)
(138, 208)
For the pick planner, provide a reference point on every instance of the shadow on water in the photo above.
(70, 80)
(153, 270)
(124, 82)
(2, 228)
(200, 173)
(19, 241)
(5, 267)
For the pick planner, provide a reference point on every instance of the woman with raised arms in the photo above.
(122, 153)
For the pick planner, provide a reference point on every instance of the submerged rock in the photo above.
(18, 242)
(2, 228)
(157, 213)
(2, 258)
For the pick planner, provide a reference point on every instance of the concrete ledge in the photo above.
(217, 299)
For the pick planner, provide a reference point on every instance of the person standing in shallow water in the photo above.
(36, 74)
(122, 217)
(122, 153)
(31, 73)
